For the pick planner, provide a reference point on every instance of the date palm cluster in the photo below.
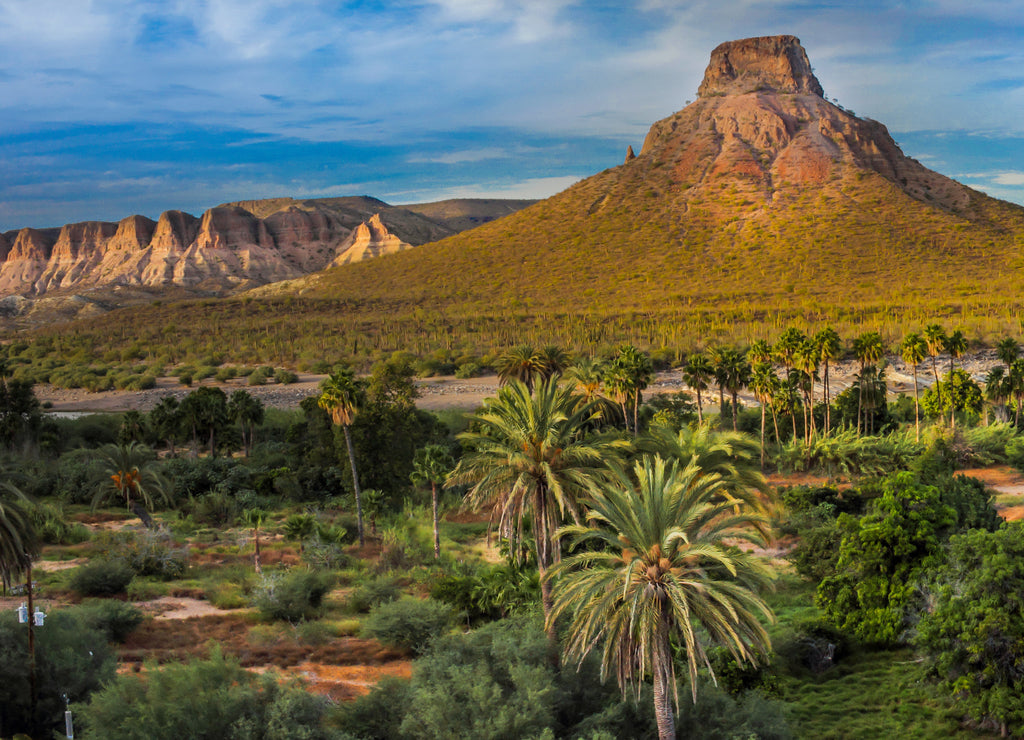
(635, 534)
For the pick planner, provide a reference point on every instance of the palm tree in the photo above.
(528, 457)
(254, 519)
(719, 359)
(248, 412)
(697, 373)
(165, 421)
(1016, 386)
(764, 383)
(133, 427)
(300, 527)
(522, 363)
(431, 465)
(786, 347)
(913, 350)
(205, 410)
(552, 360)
(935, 338)
(130, 472)
(18, 542)
(829, 346)
(805, 361)
(629, 373)
(341, 396)
(867, 348)
(956, 346)
(737, 375)
(659, 567)
(1007, 350)
(997, 388)
(732, 456)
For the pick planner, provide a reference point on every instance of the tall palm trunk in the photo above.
(828, 402)
(762, 433)
(917, 410)
(355, 484)
(543, 543)
(256, 553)
(437, 531)
(700, 410)
(735, 409)
(663, 689)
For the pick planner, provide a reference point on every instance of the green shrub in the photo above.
(147, 552)
(101, 578)
(410, 624)
(381, 590)
(226, 595)
(214, 698)
(285, 377)
(291, 597)
(468, 370)
(116, 619)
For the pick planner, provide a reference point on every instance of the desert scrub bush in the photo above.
(115, 619)
(468, 370)
(314, 633)
(409, 624)
(101, 578)
(226, 595)
(285, 377)
(373, 593)
(148, 552)
(291, 597)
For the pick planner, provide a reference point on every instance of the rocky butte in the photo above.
(231, 247)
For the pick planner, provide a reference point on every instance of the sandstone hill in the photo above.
(229, 248)
(760, 204)
(761, 196)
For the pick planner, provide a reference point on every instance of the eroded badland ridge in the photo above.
(229, 248)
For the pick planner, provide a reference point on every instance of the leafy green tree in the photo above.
(130, 473)
(914, 349)
(431, 466)
(973, 633)
(956, 346)
(212, 698)
(71, 657)
(527, 455)
(698, 373)
(342, 395)
(20, 413)
(204, 411)
(248, 411)
(956, 392)
(658, 568)
(881, 556)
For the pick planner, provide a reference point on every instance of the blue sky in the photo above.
(110, 107)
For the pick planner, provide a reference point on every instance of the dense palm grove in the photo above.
(640, 590)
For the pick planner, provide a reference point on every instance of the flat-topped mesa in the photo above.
(777, 63)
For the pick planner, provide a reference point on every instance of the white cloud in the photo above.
(461, 157)
(1015, 179)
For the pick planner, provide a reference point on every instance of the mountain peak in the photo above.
(778, 63)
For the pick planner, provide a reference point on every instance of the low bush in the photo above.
(408, 624)
(381, 590)
(147, 552)
(291, 597)
(116, 619)
(101, 578)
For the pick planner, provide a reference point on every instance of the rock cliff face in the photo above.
(231, 247)
(761, 118)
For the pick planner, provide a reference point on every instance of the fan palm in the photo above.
(1007, 350)
(248, 411)
(522, 362)
(913, 350)
(527, 455)
(698, 373)
(130, 472)
(867, 348)
(764, 384)
(431, 466)
(658, 568)
(935, 339)
(341, 395)
(956, 346)
(829, 345)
